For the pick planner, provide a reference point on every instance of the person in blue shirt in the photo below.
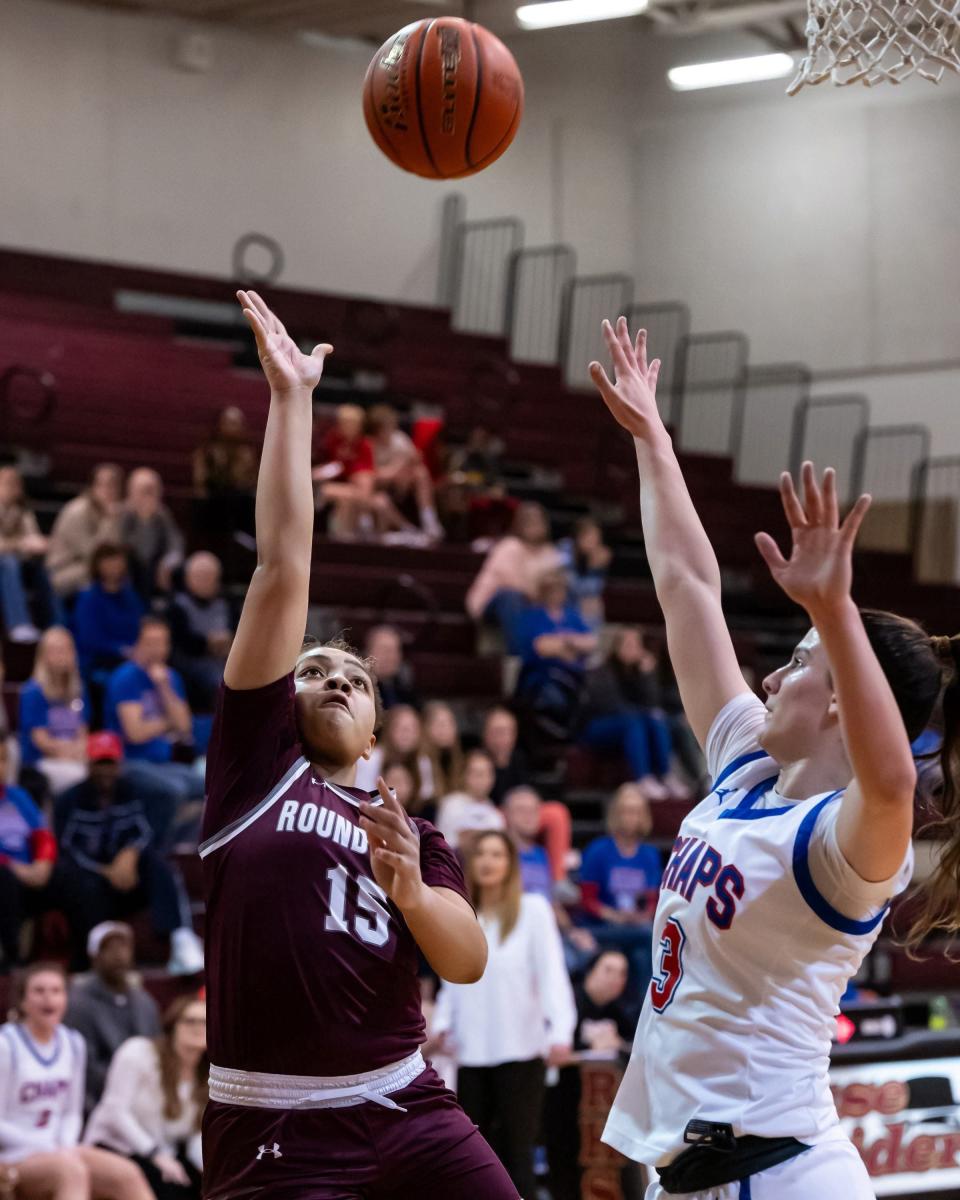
(620, 879)
(146, 705)
(54, 713)
(521, 810)
(106, 617)
(586, 561)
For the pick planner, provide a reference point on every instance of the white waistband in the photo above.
(258, 1089)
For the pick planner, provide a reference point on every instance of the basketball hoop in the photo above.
(879, 41)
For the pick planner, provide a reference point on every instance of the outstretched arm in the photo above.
(274, 615)
(684, 566)
(876, 814)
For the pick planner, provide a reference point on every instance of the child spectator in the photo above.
(22, 547)
(586, 561)
(41, 1103)
(84, 523)
(201, 629)
(441, 743)
(622, 711)
(462, 814)
(150, 533)
(400, 472)
(511, 573)
(154, 1098)
(107, 614)
(146, 705)
(398, 741)
(384, 646)
(518, 1019)
(107, 1005)
(55, 713)
(27, 854)
(109, 863)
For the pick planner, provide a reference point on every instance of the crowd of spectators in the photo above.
(104, 775)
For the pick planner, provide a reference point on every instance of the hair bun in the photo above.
(947, 649)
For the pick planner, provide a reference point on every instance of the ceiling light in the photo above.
(731, 70)
(575, 12)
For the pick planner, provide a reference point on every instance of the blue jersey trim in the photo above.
(746, 1192)
(808, 889)
(34, 1049)
(746, 810)
(740, 761)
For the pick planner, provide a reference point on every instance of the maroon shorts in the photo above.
(366, 1152)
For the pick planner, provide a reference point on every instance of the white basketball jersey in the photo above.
(41, 1091)
(750, 960)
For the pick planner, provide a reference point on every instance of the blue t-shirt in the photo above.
(106, 624)
(61, 719)
(535, 872)
(19, 820)
(622, 882)
(131, 682)
(537, 621)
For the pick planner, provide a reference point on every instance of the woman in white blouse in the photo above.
(518, 1019)
(153, 1101)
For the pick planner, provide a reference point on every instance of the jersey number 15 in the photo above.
(371, 917)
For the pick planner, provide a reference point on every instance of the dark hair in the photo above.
(113, 468)
(154, 620)
(602, 954)
(103, 551)
(23, 979)
(340, 643)
(911, 665)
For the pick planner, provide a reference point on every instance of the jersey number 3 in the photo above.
(371, 917)
(667, 980)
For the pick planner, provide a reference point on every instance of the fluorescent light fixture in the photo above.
(576, 12)
(731, 70)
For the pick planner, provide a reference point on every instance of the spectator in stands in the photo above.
(108, 1005)
(401, 780)
(463, 814)
(107, 614)
(55, 713)
(399, 741)
(499, 739)
(521, 811)
(110, 866)
(225, 478)
(146, 704)
(346, 477)
(620, 878)
(518, 1018)
(394, 676)
(400, 472)
(12, 767)
(623, 712)
(511, 574)
(473, 496)
(150, 533)
(604, 1026)
(555, 643)
(201, 629)
(90, 520)
(22, 547)
(27, 854)
(441, 743)
(40, 1126)
(153, 1101)
(586, 561)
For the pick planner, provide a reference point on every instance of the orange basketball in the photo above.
(443, 98)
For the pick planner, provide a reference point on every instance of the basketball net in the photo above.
(879, 41)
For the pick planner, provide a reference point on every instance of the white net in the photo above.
(879, 41)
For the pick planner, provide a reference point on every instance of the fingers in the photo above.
(621, 363)
(390, 802)
(851, 526)
(321, 351)
(831, 510)
(259, 332)
(770, 552)
(623, 337)
(390, 858)
(812, 499)
(791, 502)
(601, 380)
(640, 349)
(653, 374)
(269, 318)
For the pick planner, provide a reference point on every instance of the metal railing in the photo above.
(667, 326)
(828, 430)
(537, 284)
(589, 299)
(937, 550)
(763, 421)
(482, 254)
(713, 373)
(452, 215)
(889, 463)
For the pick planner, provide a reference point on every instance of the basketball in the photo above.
(443, 98)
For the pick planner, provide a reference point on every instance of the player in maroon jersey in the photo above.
(319, 894)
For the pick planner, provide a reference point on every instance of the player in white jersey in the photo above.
(42, 1066)
(780, 878)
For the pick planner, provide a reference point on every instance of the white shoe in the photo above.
(186, 953)
(24, 634)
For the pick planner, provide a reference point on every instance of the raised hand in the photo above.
(819, 571)
(394, 848)
(285, 365)
(633, 398)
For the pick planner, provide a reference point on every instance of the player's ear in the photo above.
(370, 745)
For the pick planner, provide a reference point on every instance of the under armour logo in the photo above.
(264, 1150)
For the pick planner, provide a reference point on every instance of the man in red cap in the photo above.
(109, 866)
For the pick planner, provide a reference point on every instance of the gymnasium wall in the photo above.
(826, 227)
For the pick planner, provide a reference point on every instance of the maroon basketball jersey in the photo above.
(311, 969)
